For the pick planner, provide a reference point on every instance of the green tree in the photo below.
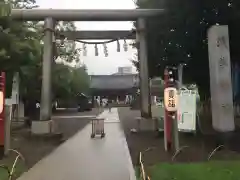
(21, 49)
(19, 44)
(69, 81)
(180, 36)
(67, 49)
(80, 80)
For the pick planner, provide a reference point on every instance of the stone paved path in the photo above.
(83, 158)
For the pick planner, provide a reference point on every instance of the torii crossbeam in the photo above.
(93, 35)
(84, 14)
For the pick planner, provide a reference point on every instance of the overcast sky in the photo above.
(100, 64)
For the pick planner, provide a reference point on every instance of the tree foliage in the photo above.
(21, 50)
(179, 35)
(19, 42)
(68, 50)
(69, 81)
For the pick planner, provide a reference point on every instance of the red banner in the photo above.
(2, 103)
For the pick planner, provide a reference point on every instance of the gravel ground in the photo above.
(152, 144)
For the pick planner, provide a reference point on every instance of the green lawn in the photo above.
(216, 170)
(20, 168)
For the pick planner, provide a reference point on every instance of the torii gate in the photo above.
(52, 15)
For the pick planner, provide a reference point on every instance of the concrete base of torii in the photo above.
(43, 127)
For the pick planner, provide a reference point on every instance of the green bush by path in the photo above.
(215, 170)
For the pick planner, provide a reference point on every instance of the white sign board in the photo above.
(187, 110)
(220, 79)
(15, 89)
(170, 99)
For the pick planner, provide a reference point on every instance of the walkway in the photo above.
(82, 158)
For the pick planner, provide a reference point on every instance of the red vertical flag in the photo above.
(2, 104)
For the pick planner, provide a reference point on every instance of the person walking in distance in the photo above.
(110, 105)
